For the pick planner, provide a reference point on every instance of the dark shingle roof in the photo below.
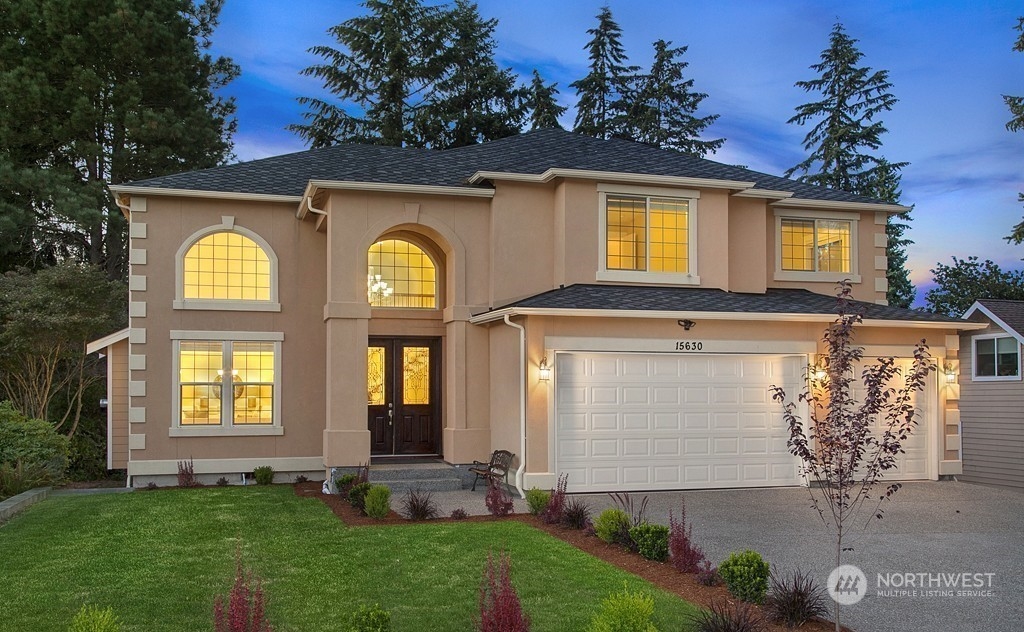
(1010, 312)
(684, 299)
(529, 153)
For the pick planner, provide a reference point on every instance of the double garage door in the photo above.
(634, 421)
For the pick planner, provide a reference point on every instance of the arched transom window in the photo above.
(226, 266)
(400, 274)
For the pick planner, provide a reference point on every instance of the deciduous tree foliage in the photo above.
(542, 105)
(97, 93)
(408, 74)
(663, 110)
(967, 280)
(847, 128)
(604, 94)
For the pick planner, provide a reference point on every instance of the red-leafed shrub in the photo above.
(187, 474)
(684, 553)
(500, 610)
(245, 610)
(552, 514)
(498, 501)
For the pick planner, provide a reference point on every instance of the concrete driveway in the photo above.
(929, 527)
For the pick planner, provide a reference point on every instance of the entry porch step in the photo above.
(428, 477)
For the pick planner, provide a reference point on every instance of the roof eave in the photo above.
(129, 189)
(978, 307)
(106, 341)
(609, 176)
(835, 204)
(391, 187)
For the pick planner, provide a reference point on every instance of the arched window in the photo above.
(226, 266)
(400, 274)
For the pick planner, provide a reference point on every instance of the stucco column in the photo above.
(466, 435)
(346, 437)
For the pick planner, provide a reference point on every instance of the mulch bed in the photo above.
(660, 574)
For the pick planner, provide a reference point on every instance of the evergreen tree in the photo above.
(97, 93)
(1016, 124)
(390, 61)
(886, 187)
(663, 110)
(847, 124)
(474, 100)
(604, 93)
(540, 101)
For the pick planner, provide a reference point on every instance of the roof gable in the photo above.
(1008, 315)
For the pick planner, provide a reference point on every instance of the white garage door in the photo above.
(658, 421)
(913, 465)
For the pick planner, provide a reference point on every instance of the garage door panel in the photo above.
(697, 446)
(725, 395)
(696, 395)
(758, 445)
(636, 447)
(667, 447)
(604, 448)
(726, 421)
(665, 367)
(666, 395)
(695, 421)
(754, 421)
(636, 476)
(726, 367)
(755, 396)
(635, 422)
(608, 475)
(604, 421)
(666, 421)
(603, 395)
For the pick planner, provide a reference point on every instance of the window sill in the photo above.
(660, 278)
(226, 431)
(995, 378)
(227, 306)
(824, 277)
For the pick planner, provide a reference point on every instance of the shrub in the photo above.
(301, 478)
(537, 500)
(794, 599)
(576, 514)
(357, 495)
(222, 481)
(498, 500)
(32, 442)
(613, 526)
(370, 619)
(263, 474)
(459, 514)
(745, 575)
(686, 556)
(17, 478)
(151, 485)
(344, 483)
(552, 513)
(245, 610)
(377, 503)
(707, 575)
(624, 612)
(625, 502)
(419, 505)
(187, 474)
(721, 617)
(651, 541)
(95, 619)
(500, 610)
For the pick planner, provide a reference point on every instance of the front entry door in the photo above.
(403, 395)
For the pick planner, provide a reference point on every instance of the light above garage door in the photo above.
(633, 421)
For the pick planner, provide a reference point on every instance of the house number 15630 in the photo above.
(689, 345)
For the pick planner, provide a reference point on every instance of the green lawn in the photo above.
(159, 558)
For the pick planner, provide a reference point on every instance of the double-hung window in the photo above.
(647, 236)
(817, 246)
(228, 385)
(996, 357)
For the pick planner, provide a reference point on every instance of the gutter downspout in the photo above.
(522, 405)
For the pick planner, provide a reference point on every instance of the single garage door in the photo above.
(634, 421)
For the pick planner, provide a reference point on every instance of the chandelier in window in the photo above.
(377, 290)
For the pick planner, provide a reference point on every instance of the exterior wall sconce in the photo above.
(545, 370)
(819, 372)
(950, 370)
(686, 324)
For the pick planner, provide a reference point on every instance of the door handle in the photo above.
(391, 413)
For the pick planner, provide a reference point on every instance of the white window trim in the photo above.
(227, 225)
(993, 378)
(636, 276)
(226, 427)
(853, 276)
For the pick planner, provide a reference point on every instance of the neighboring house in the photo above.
(600, 308)
(992, 401)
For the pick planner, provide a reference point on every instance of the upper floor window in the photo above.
(226, 267)
(996, 358)
(647, 235)
(817, 246)
(400, 274)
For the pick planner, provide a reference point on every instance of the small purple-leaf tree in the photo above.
(846, 446)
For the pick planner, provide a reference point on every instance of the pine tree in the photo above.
(847, 124)
(540, 101)
(604, 93)
(87, 100)
(474, 101)
(663, 110)
(886, 187)
(1016, 124)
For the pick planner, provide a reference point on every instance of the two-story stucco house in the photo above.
(600, 308)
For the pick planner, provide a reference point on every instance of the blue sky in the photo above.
(949, 62)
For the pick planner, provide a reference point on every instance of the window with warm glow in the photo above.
(400, 274)
(226, 266)
(647, 234)
(226, 383)
(816, 245)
